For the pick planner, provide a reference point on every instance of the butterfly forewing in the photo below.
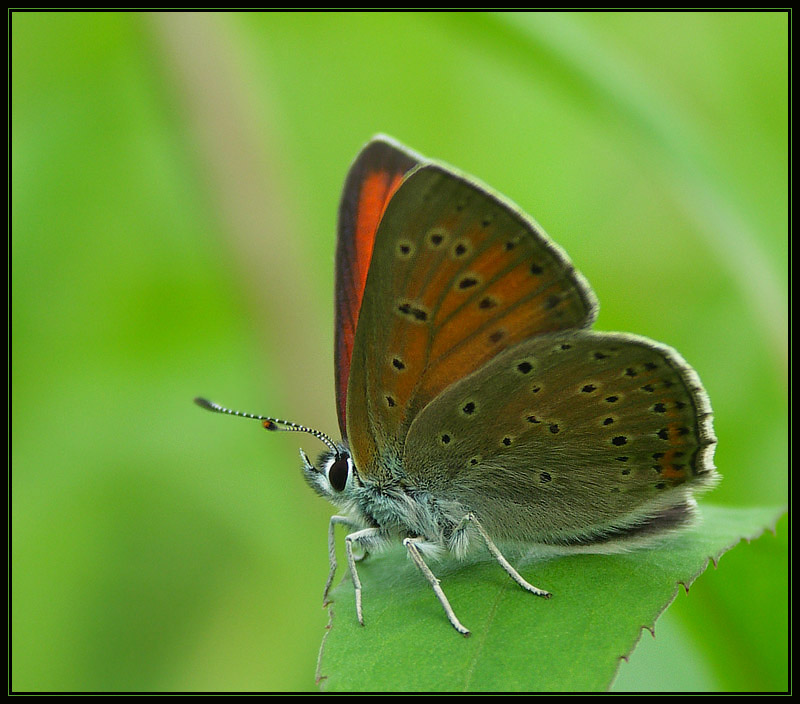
(457, 276)
(374, 176)
(576, 434)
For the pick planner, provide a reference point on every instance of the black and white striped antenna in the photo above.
(269, 423)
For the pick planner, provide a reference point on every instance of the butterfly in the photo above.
(476, 406)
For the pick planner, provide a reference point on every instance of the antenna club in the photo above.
(205, 403)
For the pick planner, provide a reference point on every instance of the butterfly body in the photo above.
(394, 506)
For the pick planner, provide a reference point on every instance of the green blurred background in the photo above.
(174, 195)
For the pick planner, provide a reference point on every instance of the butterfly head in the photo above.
(334, 475)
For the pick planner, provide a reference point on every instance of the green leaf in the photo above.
(572, 642)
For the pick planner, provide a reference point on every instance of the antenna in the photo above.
(269, 423)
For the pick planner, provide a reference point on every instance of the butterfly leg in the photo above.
(335, 520)
(366, 538)
(516, 576)
(416, 556)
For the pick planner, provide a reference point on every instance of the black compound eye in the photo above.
(338, 473)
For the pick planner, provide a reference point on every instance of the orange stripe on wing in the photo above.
(375, 194)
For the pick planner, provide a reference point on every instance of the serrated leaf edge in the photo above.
(686, 584)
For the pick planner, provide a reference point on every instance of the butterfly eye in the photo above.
(338, 473)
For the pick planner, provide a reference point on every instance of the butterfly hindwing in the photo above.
(572, 432)
(458, 274)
